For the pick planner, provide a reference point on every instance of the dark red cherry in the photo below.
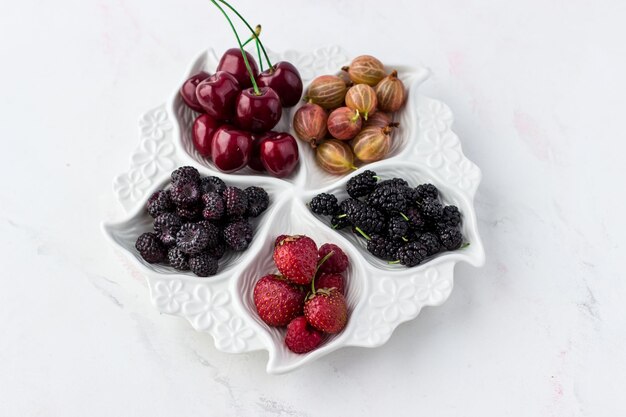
(231, 148)
(188, 90)
(233, 63)
(218, 95)
(258, 113)
(285, 79)
(202, 133)
(279, 154)
(255, 155)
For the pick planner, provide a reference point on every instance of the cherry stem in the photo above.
(251, 30)
(243, 53)
(258, 52)
(255, 37)
(404, 216)
(257, 32)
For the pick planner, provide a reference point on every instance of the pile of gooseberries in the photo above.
(348, 118)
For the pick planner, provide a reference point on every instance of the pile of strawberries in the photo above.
(307, 295)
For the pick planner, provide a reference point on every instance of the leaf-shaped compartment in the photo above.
(414, 174)
(402, 136)
(184, 118)
(293, 218)
(126, 232)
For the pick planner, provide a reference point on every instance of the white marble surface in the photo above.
(538, 92)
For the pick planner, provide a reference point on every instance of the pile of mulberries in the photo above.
(197, 219)
(400, 223)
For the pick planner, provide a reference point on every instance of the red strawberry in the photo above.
(296, 258)
(326, 310)
(338, 261)
(329, 281)
(301, 337)
(280, 239)
(277, 300)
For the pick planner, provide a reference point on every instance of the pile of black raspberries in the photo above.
(197, 219)
(402, 224)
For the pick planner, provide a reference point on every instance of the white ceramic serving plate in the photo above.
(380, 296)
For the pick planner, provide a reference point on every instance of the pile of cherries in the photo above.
(239, 108)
